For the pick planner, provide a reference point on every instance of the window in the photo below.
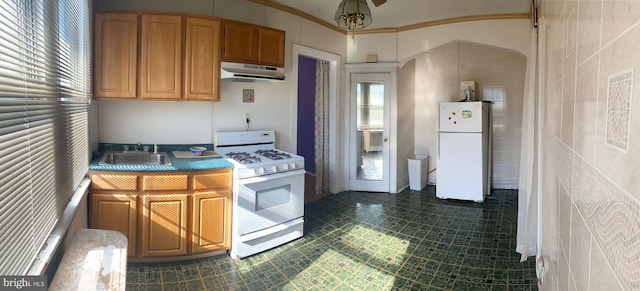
(44, 98)
(370, 105)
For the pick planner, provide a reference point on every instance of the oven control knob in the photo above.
(292, 166)
(274, 169)
(285, 167)
(260, 170)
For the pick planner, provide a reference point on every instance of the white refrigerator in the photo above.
(464, 151)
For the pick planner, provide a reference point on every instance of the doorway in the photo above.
(315, 120)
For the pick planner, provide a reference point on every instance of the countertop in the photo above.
(193, 164)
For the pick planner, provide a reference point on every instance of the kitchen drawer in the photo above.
(114, 182)
(219, 179)
(164, 182)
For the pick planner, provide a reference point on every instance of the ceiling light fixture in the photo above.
(353, 14)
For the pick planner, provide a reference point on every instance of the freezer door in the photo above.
(461, 117)
(460, 168)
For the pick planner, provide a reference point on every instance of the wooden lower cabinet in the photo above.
(210, 231)
(164, 225)
(116, 211)
(217, 180)
(165, 214)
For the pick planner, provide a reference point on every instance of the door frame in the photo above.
(391, 69)
(336, 182)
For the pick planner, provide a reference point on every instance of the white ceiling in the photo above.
(398, 13)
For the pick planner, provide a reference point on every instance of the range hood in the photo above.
(250, 73)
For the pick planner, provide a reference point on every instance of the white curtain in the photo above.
(322, 127)
(528, 189)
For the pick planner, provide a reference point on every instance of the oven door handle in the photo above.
(271, 177)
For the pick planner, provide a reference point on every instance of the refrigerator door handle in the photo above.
(438, 147)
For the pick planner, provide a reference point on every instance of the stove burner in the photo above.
(244, 157)
(273, 154)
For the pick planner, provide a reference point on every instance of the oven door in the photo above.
(266, 201)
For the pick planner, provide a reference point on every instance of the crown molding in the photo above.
(269, 3)
(298, 13)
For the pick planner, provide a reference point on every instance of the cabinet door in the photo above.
(115, 212)
(202, 59)
(161, 56)
(271, 47)
(115, 49)
(239, 42)
(211, 221)
(164, 225)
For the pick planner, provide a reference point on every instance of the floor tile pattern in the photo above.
(371, 241)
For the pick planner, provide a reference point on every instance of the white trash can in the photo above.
(418, 171)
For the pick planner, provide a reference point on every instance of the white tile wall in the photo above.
(618, 118)
(591, 138)
(499, 75)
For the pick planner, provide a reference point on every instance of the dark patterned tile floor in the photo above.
(371, 241)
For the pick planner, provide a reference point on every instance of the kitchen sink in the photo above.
(136, 159)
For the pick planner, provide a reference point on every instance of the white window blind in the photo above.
(44, 97)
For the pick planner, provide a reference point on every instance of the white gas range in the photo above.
(268, 191)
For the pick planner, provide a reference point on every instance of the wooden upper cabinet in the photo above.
(160, 56)
(252, 44)
(239, 42)
(157, 56)
(116, 48)
(270, 47)
(202, 59)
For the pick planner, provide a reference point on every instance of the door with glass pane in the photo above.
(369, 127)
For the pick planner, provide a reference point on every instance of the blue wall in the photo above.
(306, 111)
